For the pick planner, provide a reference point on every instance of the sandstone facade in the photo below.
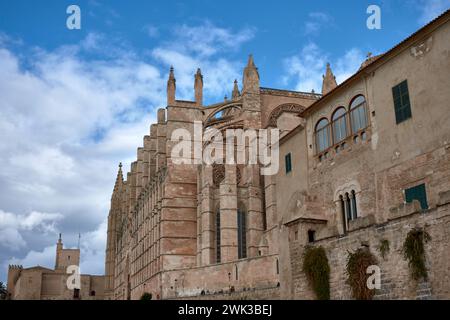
(355, 181)
(213, 231)
(39, 283)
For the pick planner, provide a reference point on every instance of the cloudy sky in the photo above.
(74, 103)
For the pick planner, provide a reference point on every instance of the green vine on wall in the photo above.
(414, 252)
(146, 296)
(357, 264)
(384, 248)
(317, 270)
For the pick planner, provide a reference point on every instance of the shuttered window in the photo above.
(288, 163)
(402, 104)
(417, 193)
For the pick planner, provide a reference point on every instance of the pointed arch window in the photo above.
(242, 234)
(339, 125)
(358, 114)
(218, 234)
(322, 135)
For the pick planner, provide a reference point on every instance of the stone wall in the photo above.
(269, 293)
(247, 277)
(396, 282)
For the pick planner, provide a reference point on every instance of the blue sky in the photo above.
(77, 102)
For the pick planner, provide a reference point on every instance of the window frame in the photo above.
(423, 205)
(399, 107)
(335, 120)
(351, 111)
(317, 131)
(242, 233)
(358, 111)
(288, 163)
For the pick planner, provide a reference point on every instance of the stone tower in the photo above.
(251, 99)
(66, 257)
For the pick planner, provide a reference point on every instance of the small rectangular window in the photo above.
(311, 236)
(417, 193)
(402, 103)
(288, 163)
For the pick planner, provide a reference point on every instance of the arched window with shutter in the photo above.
(322, 135)
(339, 125)
(358, 113)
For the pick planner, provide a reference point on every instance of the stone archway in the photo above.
(276, 113)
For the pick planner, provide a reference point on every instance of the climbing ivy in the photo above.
(146, 296)
(357, 264)
(384, 248)
(414, 252)
(317, 270)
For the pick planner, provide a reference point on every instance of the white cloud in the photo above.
(12, 239)
(316, 21)
(92, 246)
(306, 68)
(200, 46)
(151, 30)
(11, 224)
(67, 121)
(431, 9)
(207, 39)
(44, 258)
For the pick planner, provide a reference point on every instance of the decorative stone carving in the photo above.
(289, 107)
(238, 175)
(418, 51)
(218, 173)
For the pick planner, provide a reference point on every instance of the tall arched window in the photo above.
(339, 125)
(218, 233)
(358, 116)
(349, 209)
(242, 234)
(354, 211)
(322, 135)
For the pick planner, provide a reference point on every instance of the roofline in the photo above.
(397, 49)
(299, 93)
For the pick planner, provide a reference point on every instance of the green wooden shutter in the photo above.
(402, 105)
(417, 193)
(288, 162)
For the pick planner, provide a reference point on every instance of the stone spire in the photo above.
(119, 179)
(171, 87)
(329, 81)
(198, 87)
(235, 94)
(251, 77)
(59, 248)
